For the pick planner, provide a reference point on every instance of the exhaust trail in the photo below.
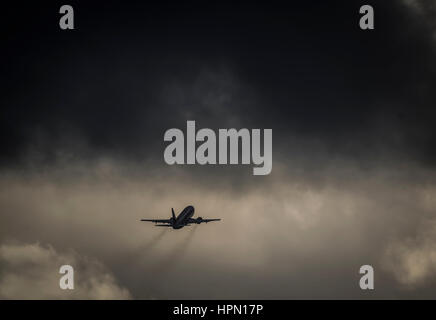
(175, 255)
(135, 259)
(153, 240)
(136, 255)
(144, 251)
(170, 260)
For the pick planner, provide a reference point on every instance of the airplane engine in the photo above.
(199, 220)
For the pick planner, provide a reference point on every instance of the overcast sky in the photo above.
(82, 122)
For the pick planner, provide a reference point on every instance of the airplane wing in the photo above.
(209, 220)
(201, 220)
(157, 220)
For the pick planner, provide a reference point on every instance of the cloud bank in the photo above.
(31, 271)
(289, 237)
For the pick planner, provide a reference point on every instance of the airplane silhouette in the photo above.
(182, 220)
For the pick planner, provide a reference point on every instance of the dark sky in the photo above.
(84, 111)
(130, 71)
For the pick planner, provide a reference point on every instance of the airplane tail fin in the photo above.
(172, 211)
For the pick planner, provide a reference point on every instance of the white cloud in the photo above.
(413, 260)
(31, 271)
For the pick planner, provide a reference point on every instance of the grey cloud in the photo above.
(287, 237)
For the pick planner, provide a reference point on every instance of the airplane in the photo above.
(182, 220)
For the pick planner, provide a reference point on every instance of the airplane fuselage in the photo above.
(183, 218)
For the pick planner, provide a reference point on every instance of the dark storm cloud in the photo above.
(307, 71)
